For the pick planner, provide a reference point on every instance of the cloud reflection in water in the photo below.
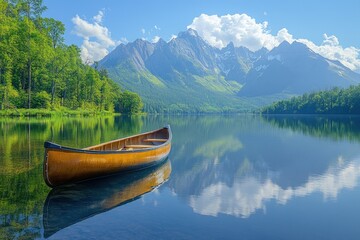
(249, 194)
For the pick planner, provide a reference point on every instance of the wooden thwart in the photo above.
(155, 140)
(139, 146)
(131, 146)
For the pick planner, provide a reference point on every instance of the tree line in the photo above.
(335, 101)
(329, 127)
(38, 70)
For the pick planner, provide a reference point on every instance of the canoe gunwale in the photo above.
(54, 146)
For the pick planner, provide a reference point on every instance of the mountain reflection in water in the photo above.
(239, 168)
(238, 176)
(65, 206)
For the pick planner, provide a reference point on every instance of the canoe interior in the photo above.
(141, 141)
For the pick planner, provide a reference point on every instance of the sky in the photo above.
(327, 27)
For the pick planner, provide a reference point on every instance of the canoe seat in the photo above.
(155, 140)
(139, 146)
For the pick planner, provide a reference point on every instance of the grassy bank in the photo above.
(51, 113)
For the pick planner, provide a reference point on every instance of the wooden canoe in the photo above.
(64, 165)
(73, 203)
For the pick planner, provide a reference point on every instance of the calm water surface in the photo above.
(227, 177)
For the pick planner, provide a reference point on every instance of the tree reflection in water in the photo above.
(233, 165)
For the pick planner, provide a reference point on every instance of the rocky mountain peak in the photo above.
(189, 66)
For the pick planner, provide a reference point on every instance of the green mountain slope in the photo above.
(186, 74)
(193, 93)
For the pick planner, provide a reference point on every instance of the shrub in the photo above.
(41, 100)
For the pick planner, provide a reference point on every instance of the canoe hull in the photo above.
(65, 165)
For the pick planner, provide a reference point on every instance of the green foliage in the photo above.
(41, 100)
(37, 70)
(130, 103)
(23, 190)
(335, 101)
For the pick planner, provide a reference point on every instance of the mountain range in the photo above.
(187, 74)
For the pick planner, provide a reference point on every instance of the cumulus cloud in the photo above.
(240, 29)
(96, 38)
(331, 49)
(243, 30)
(92, 51)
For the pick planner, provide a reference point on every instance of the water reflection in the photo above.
(247, 195)
(238, 166)
(334, 127)
(24, 138)
(68, 205)
(217, 148)
(22, 189)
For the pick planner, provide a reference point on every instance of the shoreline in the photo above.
(52, 113)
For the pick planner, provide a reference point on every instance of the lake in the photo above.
(227, 177)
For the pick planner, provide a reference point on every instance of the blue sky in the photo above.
(127, 20)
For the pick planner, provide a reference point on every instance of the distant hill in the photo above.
(186, 74)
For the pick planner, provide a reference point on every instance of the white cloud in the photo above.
(92, 51)
(155, 39)
(87, 30)
(98, 18)
(96, 38)
(284, 35)
(331, 49)
(143, 31)
(243, 30)
(330, 40)
(240, 29)
(123, 40)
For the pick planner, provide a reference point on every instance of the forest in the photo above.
(335, 101)
(39, 71)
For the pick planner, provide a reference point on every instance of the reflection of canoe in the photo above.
(70, 204)
(64, 165)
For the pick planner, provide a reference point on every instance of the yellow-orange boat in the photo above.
(63, 165)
